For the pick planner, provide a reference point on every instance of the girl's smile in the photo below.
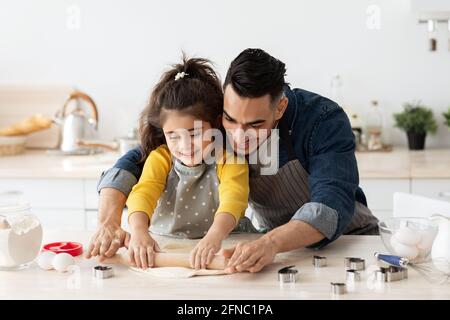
(185, 138)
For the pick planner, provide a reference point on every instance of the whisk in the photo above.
(428, 270)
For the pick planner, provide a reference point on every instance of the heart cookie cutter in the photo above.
(102, 272)
(391, 273)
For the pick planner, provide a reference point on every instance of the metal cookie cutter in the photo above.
(102, 272)
(391, 273)
(357, 264)
(319, 261)
(353, 275)
(287, 275)
(338, 288)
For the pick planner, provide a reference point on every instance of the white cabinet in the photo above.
(90, 194)
(73, 203)
(61, 219)
(58, 203)
(68, 204)
(380, 192)
(48, 193)
(91, 220)
(433, 188)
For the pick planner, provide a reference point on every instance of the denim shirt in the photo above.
(324, 144)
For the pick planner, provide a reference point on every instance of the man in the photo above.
(310, 201)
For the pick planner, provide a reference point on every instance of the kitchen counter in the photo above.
(400, 163)
(34, 164)
(403, 163)
(34, 283)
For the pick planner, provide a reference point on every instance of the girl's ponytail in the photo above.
(191, 87)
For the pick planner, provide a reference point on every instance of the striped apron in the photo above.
(274, 199)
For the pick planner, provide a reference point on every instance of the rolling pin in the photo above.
(165, 259)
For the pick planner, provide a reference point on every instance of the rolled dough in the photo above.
(177, 247)
(177, 272)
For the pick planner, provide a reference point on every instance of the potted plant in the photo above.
(416, 120)
(447, 118)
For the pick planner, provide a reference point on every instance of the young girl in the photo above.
(179, 194)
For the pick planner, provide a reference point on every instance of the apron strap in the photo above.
(285, 135)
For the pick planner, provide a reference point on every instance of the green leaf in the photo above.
(447, 117)
(416, 118)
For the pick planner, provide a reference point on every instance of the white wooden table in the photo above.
(34, 283)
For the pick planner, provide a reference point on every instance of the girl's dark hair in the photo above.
(255, 73)
(198, 93)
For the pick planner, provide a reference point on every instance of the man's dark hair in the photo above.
(255, 73)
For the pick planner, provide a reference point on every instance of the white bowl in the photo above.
(408, 237)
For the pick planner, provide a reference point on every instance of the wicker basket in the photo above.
(12, 145)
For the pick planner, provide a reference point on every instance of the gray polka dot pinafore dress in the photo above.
(188, 203)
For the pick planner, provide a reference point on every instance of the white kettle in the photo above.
(76, 125)
(441, 246)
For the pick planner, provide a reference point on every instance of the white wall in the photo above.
(121, 47)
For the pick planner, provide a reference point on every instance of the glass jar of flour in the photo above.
(20, 232)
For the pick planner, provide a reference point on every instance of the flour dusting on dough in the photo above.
(177, 272)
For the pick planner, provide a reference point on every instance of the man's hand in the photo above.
(106, 240)
(253, 256)
(250, 256)
(109, 236)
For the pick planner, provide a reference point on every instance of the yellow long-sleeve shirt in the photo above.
(233, 187)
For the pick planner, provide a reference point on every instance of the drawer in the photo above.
(380, 192)
(433, 188)
(48, 193)
(90, 194)
(61, 219)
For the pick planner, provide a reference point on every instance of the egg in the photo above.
(402, 250)
(62, 261)
(408, 236)
(45, 260)
(426, 242)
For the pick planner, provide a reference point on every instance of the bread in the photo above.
(26, 126)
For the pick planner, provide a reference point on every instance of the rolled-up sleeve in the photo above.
(116, 178)
(333, 176)
(320, 216)
(124, 174)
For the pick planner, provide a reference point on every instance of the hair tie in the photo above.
(180, 75)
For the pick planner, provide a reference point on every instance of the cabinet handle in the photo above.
(11, 193)
(444, 194)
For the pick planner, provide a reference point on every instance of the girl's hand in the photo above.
(142, 249)
(204, 251)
